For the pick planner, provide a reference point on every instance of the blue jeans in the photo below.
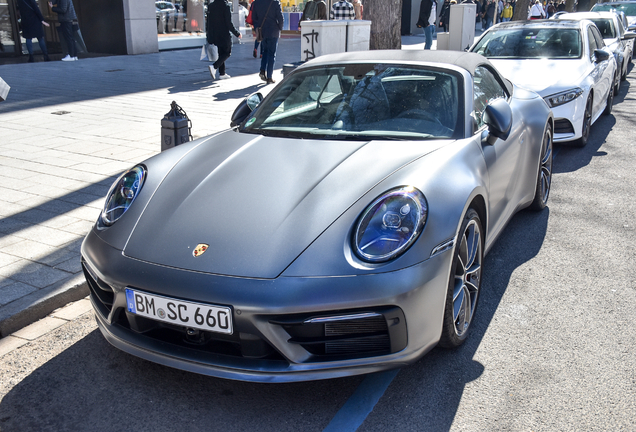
(269, 46)
(428, 35)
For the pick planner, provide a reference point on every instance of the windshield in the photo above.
(628, 8)
(362, 102)
(523, 43)
(605, 26)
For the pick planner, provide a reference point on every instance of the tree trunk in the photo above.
(521, 10)
(386, 19)
(569, 5)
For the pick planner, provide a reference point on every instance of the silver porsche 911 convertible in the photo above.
(339, 228)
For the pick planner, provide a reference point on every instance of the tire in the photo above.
(610, 102)
(617, 84)
(464, 282)
(587, 124)
(544, 177)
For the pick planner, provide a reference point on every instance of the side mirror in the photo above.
(245, 108)
(600, 55)
(629, 35)
(498, 117)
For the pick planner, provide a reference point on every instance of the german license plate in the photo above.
(188, 314)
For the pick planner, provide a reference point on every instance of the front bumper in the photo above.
(568, 120)
(378, 321)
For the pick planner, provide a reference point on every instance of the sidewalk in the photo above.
(67, 130)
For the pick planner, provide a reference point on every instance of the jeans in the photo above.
(505, 19)
(488, 22)
(29, 45)
(428, 35)
(269, 46)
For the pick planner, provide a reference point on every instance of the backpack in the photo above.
(311, 10)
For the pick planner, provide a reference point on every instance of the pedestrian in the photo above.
(32, 21)
(342, 10)
(444, 16)
(218, 28)
(561, 7)
(66, 15)
(506, 14)
(426, 20)
(536, 11)
(249, 20)
(314, 10)
(268, 15)
(358, 8)
(551, 9)
(490, 13)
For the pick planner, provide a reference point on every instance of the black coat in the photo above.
(31, 19)
(444, 17)
(219, 24)
(271, 17)
(65, 10)
(425, 13)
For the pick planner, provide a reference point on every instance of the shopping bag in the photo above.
(213, 52)
(204, 53)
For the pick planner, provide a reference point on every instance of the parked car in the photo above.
(564, 61)
(168, 17)
(616, 39)
(339, 229)
(628, 7)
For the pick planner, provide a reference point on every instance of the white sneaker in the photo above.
(68, 58)
(212, 71)
(75, 59)
(226, 76)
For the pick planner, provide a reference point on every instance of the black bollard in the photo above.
(175, 127)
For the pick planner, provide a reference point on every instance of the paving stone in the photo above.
(10, 343)
(73, 310)
(14, 291)
(32, 273)
(39, 328)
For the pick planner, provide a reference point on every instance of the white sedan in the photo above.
(614, 35)
(564, 61)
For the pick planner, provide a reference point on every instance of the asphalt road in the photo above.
(552, 346)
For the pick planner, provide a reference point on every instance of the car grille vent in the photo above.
(563, 126)
(101, 293)
(349, 334)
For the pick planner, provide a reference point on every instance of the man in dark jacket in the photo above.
(66, 15)
(268, 15)
(218, 28)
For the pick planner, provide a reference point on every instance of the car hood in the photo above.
(259, 202)
(545, 77)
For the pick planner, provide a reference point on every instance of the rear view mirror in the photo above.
(600, 55)
(245, 108)
(629, 35)
(498, 118)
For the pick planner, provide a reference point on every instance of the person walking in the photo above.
(536, 11)
(444, 16)
(506, 15)
(427, 13)
(314, 10)
(342, 10)
(250, 21)
(32, 21)
(490, 13)
(268, 15)
(218, 28)
(66, 15)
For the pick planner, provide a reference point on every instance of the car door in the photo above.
(503, 157)
(601, 74)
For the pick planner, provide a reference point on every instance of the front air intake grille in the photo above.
(101, 293)
(350, 334)
(563, 126)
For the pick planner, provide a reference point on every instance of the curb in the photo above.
(37, 305)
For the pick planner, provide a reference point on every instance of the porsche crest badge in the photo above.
(199, 250)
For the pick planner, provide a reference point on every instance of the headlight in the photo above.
(122, 194)
(564, 97)
(390, 225)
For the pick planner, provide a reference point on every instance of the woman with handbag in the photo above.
(267, 16)
(218, 28)
(250, 21)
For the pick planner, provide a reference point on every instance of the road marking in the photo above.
(361, 402)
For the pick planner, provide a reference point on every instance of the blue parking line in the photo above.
(361, 402)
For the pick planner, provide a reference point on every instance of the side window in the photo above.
(600, 43)
(591, 41)
(486, 89)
